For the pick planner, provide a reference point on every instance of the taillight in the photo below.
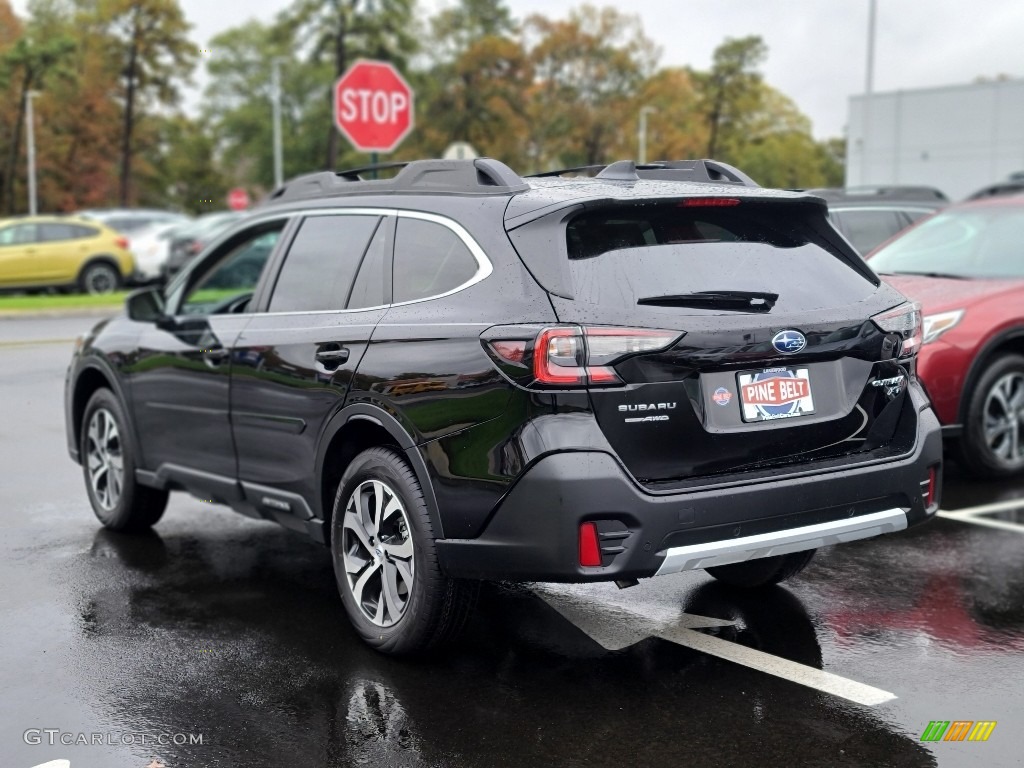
(905, 320)
(574, 356)
(121, 242)
(195, 247)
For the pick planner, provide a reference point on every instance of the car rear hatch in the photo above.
(721, 335)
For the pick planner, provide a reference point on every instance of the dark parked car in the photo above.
(462, 374)
(869, 216)
(192, 237)
(966, 267)
(1014, 185)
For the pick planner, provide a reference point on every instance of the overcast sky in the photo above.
(817, 48)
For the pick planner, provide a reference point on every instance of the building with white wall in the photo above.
(957, 138)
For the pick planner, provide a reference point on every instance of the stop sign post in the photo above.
(238, 199)
(373, 106)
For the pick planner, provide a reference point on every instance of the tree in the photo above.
(237, 109)
(24, 65)
(675, 129)
(475, 87)
(149, 40)
(344, 30)
(778, 149)
(588, 69)
(455, 30)
(730, 91)
(185, 174)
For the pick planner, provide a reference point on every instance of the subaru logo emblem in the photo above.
(789, 342)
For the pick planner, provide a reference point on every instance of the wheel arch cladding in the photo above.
(353, 430)
(89, 381)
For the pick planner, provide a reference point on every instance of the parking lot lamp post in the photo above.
(30, 146)
(642, 134)
(275, 99)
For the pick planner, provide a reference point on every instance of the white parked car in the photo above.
(151, 246)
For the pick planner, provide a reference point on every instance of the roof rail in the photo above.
(484, 175)
(707, 171)
(481, 176)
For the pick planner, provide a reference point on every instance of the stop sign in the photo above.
(373, 106)
(238, 199)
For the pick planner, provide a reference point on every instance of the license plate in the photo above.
(775, 393)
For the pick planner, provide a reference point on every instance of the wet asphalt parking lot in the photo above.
(221, 629)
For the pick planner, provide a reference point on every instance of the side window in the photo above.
(229, 278)
(868, 229)
(54, 232)
(19, 234)
(321, 264)
(430, 260)
(370, 289)
(81, 231)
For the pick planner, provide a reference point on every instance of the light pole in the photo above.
(869, 86)
(275, 99)
(30, 146)
(642, 134)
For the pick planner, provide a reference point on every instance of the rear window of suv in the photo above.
(621, 255)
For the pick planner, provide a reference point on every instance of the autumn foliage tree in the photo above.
(148, 39)
(539, 93)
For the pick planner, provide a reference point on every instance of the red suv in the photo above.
(965, 266)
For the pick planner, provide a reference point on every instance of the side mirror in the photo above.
(145, 305)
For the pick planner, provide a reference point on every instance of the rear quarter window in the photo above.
(430, 259)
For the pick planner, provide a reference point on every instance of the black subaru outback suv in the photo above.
(460, 374)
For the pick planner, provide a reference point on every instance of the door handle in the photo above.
(331, 354)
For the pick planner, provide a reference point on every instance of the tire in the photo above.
(108, 465)
(99, 277)
(427, 609)
(995, 421)
(762, 572)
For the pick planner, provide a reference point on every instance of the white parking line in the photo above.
(1003, 525)
(976, 515)
(999, 506)
(616, 627)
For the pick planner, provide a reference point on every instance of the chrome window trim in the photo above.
(484, 266)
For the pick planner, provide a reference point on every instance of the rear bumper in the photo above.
(533, 533)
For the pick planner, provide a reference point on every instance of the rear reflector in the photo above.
(590, 551)
(929, 497)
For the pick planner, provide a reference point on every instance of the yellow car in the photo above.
(63, 252)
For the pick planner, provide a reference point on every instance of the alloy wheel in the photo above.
(105, 459)
(100, 279)
(377, 550)
(1003, 419)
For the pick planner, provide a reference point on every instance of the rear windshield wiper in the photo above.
(740, 301)
(945, 275)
